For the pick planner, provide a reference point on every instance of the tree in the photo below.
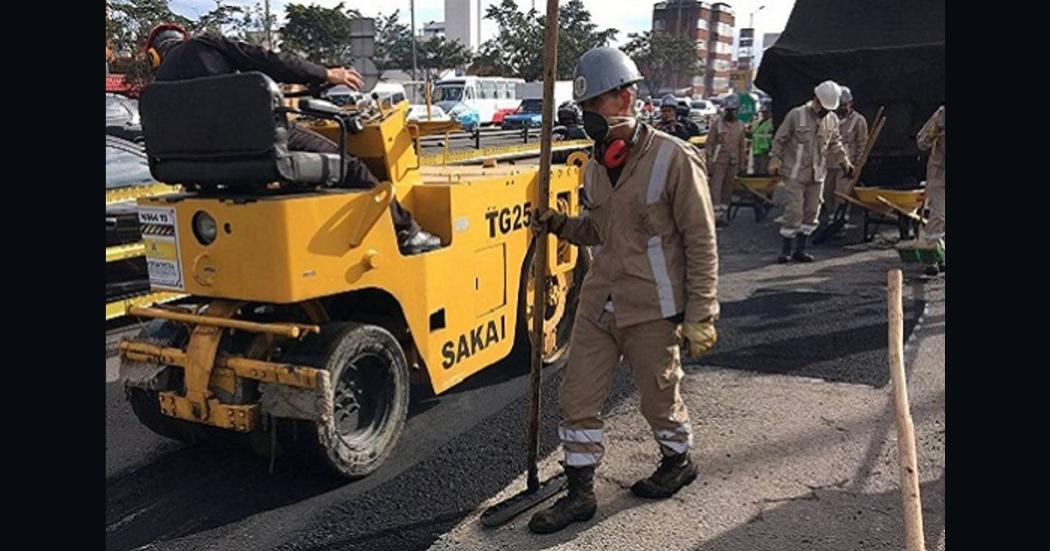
(130, 21)
(321, 34)
(662, 57)
(220, 20)
(437, 54)
(518, 45)
(393, 44)
(252, 25)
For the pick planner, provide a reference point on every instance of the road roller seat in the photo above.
(227, 130)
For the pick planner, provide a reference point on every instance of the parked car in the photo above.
(419, 113)
(122, 118)
(528, 114)
(126, 167)
(700, 109)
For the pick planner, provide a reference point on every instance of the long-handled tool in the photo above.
(535, 492)
(838, 220)
(906, 456)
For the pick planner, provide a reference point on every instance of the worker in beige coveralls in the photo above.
(801, 146)
(651, 287)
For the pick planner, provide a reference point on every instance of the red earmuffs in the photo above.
(614, 154)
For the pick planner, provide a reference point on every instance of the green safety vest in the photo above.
(762, 137)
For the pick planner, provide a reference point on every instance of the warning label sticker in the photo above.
(160, 235)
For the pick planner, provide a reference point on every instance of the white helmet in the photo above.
(669, 101)
(828, 93)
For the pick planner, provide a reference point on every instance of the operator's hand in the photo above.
(848, 169)
(348, 76)
(774, 167)
(547, 221)
(699, 337)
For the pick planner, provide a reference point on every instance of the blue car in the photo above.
(529, 114)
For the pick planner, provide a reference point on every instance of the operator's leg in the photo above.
(357, 176)
(652, 348)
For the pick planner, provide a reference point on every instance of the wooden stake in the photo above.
(539, 260)
(907, 462)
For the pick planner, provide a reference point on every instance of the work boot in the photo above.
(800, 254)
(931, 270)
(940, 267)
(421, 242)
(674, 472)
(785, 251)
(578, 505)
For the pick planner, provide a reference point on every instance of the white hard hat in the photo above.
(828, 93)
(669, 101)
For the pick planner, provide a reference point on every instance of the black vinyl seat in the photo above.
(226, 130)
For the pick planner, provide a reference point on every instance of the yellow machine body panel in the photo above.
(460, 302)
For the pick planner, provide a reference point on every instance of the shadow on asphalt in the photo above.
(833, 520)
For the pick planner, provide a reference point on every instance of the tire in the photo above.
(145, 403)
(522, 344)
(369, 373)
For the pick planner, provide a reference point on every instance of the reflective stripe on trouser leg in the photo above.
(586, 379)
(794, 193)
(652, 349)
(811, 198)
(834, 181)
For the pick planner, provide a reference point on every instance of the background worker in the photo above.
(808, 135)
(653, 282)
(726, 157)
(762, 138)
(932, 138)
(174, 55)
(853, 128)
(669, 122)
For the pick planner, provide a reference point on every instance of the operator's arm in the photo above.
(860, 138)
(281, 67)
(836, 150)
(782, 137)
(580, 230)
(713, 133)
(930, 131)
(695, 220)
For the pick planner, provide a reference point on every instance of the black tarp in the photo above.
(888, 52)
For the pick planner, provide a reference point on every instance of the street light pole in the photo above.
(751, 50)
(269, 42)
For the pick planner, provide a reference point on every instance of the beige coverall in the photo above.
(802, 146)
(727, 149)
(653, 237)
(854, 131)
(931, 138)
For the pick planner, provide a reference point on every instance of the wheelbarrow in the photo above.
(882, 206)
(757, 195)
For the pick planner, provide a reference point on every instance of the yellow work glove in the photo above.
(547, 221)
(774, 167)
(699, 337)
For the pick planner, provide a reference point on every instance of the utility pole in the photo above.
(412, 9)
(269, 40)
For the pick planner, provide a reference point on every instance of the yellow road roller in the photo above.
(307, 324)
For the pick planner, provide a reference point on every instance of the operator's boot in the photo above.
(931, 270)
(800, 254)
(578, 505)
(421, 242)
(785, 251)
(674, 472)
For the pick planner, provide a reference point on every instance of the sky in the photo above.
(626, 15)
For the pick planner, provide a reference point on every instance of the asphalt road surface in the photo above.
(823, 322)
